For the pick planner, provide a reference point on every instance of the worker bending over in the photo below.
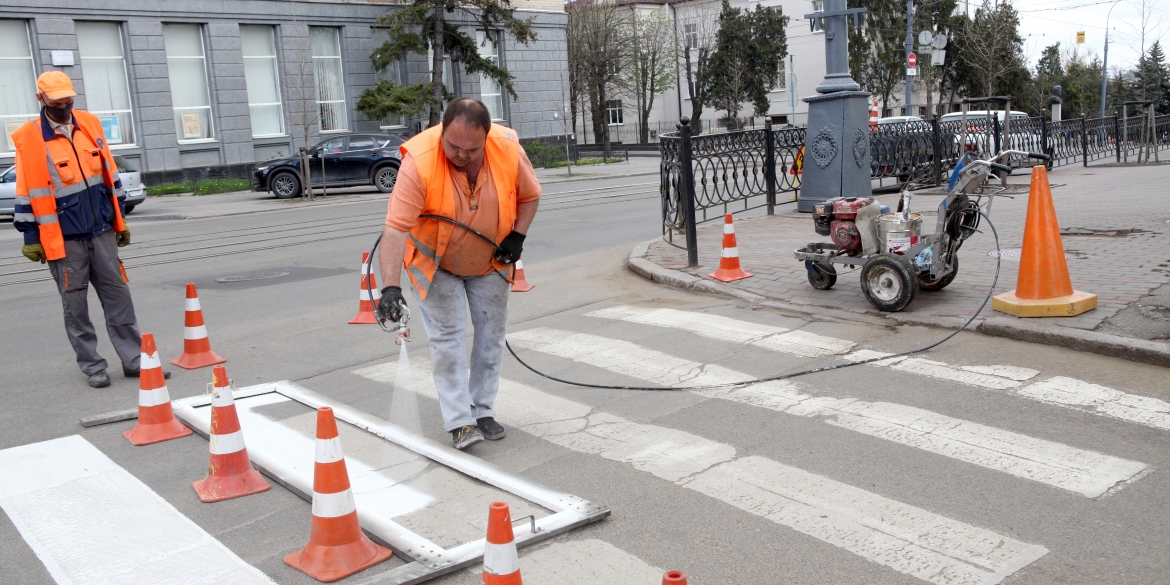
(476, 173)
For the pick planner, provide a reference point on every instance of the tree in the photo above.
(1154, 79)
(877, 57)
(1048, 74)
(422, 25)
(1082, 85)
(597, 46)
(992, 47)
(650, 64)
(748, 61)
(698, 28)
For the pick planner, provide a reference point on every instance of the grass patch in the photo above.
(203, 187)
(583, 162)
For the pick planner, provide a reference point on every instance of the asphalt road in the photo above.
(1033, 465)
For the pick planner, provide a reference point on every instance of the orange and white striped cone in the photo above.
(367, 299)
(501, 564)
(337, 547)
(729, 269)
(156, 418)
(519, 282)
(230, 473)
(674, 578)
(873, 115)
(196, 346)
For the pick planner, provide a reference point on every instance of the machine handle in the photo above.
(1039, 156)
(999, 167)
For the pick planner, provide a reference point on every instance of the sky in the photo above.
(1045, 22)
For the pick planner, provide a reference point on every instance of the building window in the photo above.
(448, 76)
(614, 110)
(782, 80)
(489, 89)
(818, 24)
(18, 80)
(691, 36)
(187, 68)
(393, 74)
(326, 43)
(261, 73)
(103, 69)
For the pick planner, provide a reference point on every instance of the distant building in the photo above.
(199, 85)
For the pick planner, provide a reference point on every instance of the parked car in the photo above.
(8, 192)
(340, 161)
(897, 120)
(1021, 135)
(131, 182)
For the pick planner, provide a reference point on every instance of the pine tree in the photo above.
(1154, 78)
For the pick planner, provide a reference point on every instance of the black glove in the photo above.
(512, 246)
(391, 303)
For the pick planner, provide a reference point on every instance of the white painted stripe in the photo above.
(365, 269)
(333, 505)
(519, 264)
(90, 522)
(369, 295)
(153, 397)
(1081, 471)
(329, 450)
(500, 559)
(732, 252)
(193, 304)
(221, 396)
(1101, 400)
(199, 332)
(149, 362)
(1012, 372)
(908, 539)
(981, 376)
(227, 444)
(728, 228)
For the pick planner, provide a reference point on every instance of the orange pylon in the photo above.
(674, 578)
(873, 115)
(1043, 287)
(519, 282)
(196, 346)
(337, 547)
(367, 299)
(729, 269)
(501, 565)
(156, 418)
(230, 473)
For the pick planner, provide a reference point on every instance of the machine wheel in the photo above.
(285, 185)
(888, 283)
(821, 275)
(940, 283)
(385, 177)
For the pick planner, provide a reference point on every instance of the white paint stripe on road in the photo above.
(90, 522)
(943, 371)
(1081, 395)
(905, 538)
(1081, 471)
(908, 539)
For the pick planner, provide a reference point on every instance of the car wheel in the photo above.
(385, 177)
(130, 207)
(285, 185)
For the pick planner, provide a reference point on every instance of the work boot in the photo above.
(465, 436)
(492, 430)
(137, 373)
(99, 380)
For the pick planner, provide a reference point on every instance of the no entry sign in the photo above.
(912, 60)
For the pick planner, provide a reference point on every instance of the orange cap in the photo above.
(55, 85)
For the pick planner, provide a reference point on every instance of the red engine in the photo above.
(836, 218)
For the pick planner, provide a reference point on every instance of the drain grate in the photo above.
(248, 277)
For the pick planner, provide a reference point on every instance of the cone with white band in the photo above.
(196, 346)
(501, 564)
(729, 269)
(156, 418)
(230, 473)
(873, 115)
(519, 282)
(367, 297)
(337, 547)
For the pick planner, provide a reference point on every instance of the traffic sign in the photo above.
(940, 41)
(911, 60)
(925, 37)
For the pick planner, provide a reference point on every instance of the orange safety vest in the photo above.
(47, 169)
(429, 239)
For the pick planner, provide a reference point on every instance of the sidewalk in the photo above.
(1117, 239)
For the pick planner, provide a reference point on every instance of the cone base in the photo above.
(216, 488)
(331, 563)
(150, 434)
(1066, 306)
(730, 274)
(364, 318)
(193, 361)
(509, 579)
(522, 286)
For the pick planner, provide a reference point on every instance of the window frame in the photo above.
(5, 118)
(690, 36)
(495, 57)
(340, 57)
(125, 77)
(276, 68)
(818, 25)
(379, 76)
(609, 113)
(199, 27)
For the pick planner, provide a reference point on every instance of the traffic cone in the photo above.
(196, 347)
(337, 547)
(674, 578)
(501, 564)
(367, 298)
(729, 269)
(156, 418)
(230, 473)
(519, 283)
(873, 115)
(1043, 287)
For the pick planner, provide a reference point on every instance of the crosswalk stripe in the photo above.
(970, 375)
(1081, 471)
(1081, 395)
(91, 522)
(905, 538)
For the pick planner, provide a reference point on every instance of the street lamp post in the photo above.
(1105, 59)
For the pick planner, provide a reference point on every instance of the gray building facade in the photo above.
(197, 86)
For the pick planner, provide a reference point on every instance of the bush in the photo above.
(204, 187)
(545, 155)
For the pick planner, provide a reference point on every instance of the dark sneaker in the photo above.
(99, 380)
(465, 436)
(137, 373)
(492, 430)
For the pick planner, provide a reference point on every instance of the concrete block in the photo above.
(54, 26)
(137, 27)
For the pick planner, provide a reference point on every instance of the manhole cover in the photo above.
(1014, 254)
(247, 277)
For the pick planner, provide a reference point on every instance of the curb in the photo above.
(1135, 350)
(593, 177)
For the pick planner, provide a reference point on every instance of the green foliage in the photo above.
(388, 98)
(650, 65)
(201, 187)
(748, 60)
(543, 154)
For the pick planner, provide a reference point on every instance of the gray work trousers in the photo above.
(96, 261)
(466, 394)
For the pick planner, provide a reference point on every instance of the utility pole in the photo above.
(1105, 59)
(909, 50)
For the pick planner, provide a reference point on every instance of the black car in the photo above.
(341, 161)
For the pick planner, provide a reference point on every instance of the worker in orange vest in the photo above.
(476, 173)
(70, 208)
